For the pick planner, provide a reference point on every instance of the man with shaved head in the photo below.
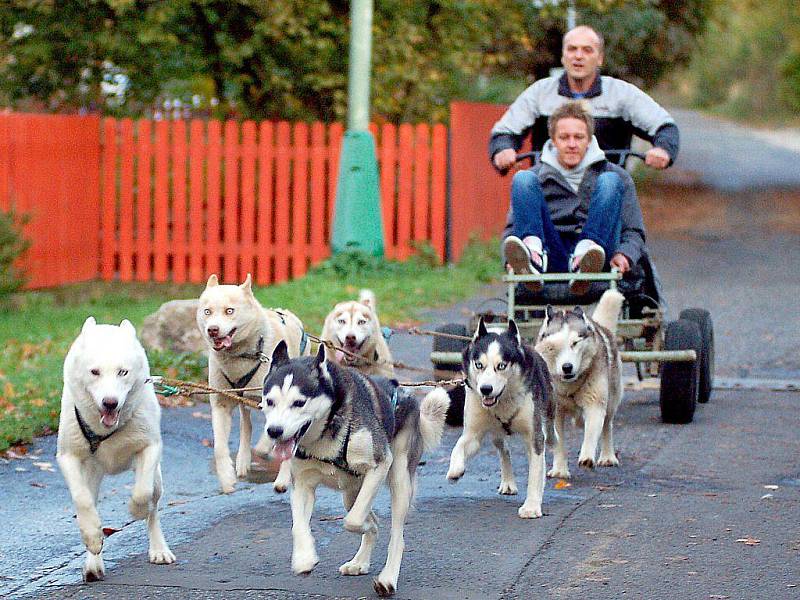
(620, 109)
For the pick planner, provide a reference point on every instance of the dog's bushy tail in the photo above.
(367, 297)
(607, 312)
(432, 411)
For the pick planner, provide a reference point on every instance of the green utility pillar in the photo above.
(357, 220)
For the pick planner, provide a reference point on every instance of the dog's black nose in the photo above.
(213, 331)
(567, 368)
(110, 403)
(275, 432)
(487, 390)
(350, 340)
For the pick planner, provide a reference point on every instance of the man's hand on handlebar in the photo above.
(505, 159)
(657, 158)
(621, 262)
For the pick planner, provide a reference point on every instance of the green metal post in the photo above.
(357, 220)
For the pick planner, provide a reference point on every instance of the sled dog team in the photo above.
(337, 418)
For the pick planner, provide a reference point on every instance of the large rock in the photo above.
(173, 327)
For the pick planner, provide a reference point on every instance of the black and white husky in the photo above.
(348, 431)
(584, 362)
(508, 392)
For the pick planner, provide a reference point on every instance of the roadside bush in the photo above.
(12, 246)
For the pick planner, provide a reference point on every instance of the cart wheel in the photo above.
(703, 319)
(455, 412)
(445, 344)
(679, 380)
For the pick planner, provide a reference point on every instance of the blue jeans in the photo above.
(532, 217)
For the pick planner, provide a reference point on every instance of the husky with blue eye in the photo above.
(584, 362)
(348, 431)
(508, 392)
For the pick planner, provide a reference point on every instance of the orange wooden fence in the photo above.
(182, 200)
(479, 197)
(49, 173)
(174, 201)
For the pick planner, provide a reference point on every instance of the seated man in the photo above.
(573, 209)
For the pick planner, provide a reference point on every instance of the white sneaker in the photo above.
(590, 259)
(518, 257)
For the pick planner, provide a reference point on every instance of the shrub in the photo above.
(12, 246)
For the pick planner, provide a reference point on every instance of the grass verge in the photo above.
(36, 333)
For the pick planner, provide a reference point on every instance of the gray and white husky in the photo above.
(584, 362)
(508, 391)
(348, 431)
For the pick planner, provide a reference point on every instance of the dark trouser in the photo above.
(532, 217)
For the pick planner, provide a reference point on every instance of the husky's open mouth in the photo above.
(353, 349)
(489, 401)
(285, 449)
(109, 418)
(223, 341)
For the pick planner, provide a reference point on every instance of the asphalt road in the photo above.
(705, 510)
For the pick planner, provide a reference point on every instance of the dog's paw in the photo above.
(507, 488)
(139, 507)
(304, 563)
(93, 568)
(559, 473)
(242, 467)
(608, 461)
(586, 462)
(455, 473)
(354, 525)
(354, 567)
(384, 587)
(161, 555)
(527, 511)
(93, 540)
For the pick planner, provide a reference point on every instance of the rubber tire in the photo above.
(455, 412)
(679, 380)
(703, 319)
(443, 344)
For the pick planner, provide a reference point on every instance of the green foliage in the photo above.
(748, 63)
(12, 246)
(288, 60)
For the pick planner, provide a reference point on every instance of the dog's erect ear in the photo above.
(320, 358)
(549, 313)
(212, 281)
(578, 311)
(481, 329)
(513, 332)
(247, 286)
(88, 324)
(367, 298)
(128, 327)
(280, 355)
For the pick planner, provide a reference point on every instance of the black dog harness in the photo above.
(339, 461)
(90, 436)
(257, 356)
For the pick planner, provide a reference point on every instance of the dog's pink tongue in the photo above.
(226, 342)
(283, 450)
(339, 356)
(109, 419)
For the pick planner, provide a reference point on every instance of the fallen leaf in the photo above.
(766, 496)
(44, 466)
(562, 484)
(109, 531)
(749, 541)
(176, 502)
(207, 442)
(771, 487)
(331, 518)
(36, 484)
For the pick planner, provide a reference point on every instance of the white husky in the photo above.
(584, 362)
(110, 422)
(354, 325)
(241, 336)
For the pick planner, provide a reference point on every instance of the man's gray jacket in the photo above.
(620, 110)
(569, 210)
